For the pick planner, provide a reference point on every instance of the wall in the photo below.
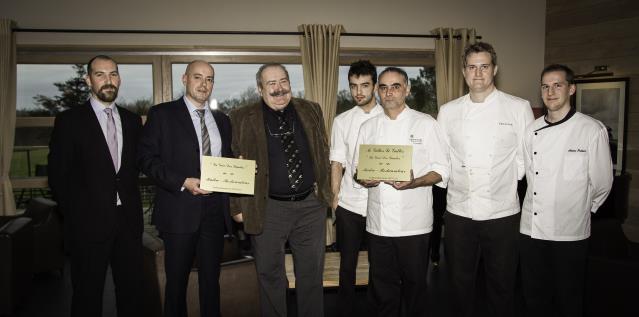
(515, 28)
(585, 33)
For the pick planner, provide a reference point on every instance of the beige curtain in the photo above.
(7, 113)
(448, 62)
(320, 63)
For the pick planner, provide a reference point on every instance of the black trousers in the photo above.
(496, 243)
(180, 252)
(303, 225)
(553, 276)
(398, 272)
(89, 262)
(439, 207)
(351, 233)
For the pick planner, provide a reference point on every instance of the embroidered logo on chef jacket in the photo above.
(415, 140)
(506, 123)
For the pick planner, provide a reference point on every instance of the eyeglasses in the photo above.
(392, 88)
(279, 135)
(482, 68)
(555, 86)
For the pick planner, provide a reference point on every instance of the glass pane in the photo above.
(29, 161)
(235, 84)
(46, 89)
(423, 95)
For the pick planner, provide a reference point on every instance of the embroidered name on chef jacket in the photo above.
(415, 140)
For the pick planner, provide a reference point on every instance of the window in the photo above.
(235, 84)
(50, 79)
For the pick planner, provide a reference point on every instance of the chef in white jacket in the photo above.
(569, 174)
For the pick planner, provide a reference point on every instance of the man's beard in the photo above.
(107, 96)
(365, 101)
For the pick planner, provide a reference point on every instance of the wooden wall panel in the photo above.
(564, 14)
(586, 33)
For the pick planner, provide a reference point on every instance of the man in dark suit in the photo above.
(287, 139)
(191, 220)
(94, 179)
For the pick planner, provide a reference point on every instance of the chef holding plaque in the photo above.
(401, 153)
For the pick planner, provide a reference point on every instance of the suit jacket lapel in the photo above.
(96, 134)
(309, 125)
(256, 115)
(183, 116)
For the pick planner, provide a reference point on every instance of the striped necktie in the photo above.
(206, 142)
(112, 140)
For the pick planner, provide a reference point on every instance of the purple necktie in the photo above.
(112, 140)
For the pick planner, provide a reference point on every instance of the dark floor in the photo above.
(612, 290)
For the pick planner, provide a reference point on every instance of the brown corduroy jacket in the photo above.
(249, 141)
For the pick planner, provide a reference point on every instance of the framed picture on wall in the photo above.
(607, 101)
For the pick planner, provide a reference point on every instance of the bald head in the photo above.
(198, 82)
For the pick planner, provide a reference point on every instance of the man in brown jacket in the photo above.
(287, 139)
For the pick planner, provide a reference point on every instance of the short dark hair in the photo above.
(393, 69)
(103, 57)
(362, 68)
(258, 75)
(480, 47)
(570, 75)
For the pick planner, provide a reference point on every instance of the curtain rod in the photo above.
(172, 32)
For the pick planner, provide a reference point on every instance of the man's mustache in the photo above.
(107, 86)
(279, 93)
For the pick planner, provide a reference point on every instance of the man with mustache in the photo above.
(349, 199)
(94, 179)
(485, 130)
(287, 139)
(191, 220)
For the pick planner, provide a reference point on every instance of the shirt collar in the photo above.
(99, 106)
(565, 118)
(401, 115)
(192, 107)
(285, 111)
(375, 110)
(488, 99)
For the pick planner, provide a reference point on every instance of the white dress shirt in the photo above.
(397, 213)
(569, 174)
(485, 141)
(352, 197)
(211, 126)
(98, 108)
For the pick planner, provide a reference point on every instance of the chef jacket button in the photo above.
(535, 193)
(535, 133)
(535, 214)
(536, 173)
(535, 153)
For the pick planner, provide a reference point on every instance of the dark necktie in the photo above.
(206, 142)
(112, 140)
(291, 152)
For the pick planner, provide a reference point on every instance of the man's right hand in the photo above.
(238, 217)
(193, 186)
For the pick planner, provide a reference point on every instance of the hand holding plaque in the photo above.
(385, 162)
(228, 175)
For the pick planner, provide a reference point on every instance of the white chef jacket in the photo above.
(485, 142)
(352, 197)
(397, 213)
(569, 174)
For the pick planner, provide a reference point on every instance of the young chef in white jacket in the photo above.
(569, 174)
